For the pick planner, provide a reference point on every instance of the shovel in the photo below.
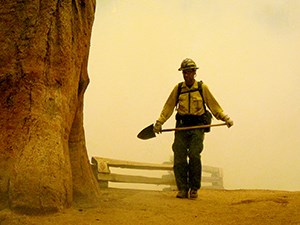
(148, 132)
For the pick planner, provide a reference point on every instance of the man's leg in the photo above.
(195, 166)
(180, 164)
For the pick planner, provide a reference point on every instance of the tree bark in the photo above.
(43, 76)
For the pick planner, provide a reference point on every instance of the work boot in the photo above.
(193, 194)
(182, 194)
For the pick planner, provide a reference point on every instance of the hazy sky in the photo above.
(248, 53)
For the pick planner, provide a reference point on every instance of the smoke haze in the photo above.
(248, 54)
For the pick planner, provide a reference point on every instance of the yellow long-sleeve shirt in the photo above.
(190, 103)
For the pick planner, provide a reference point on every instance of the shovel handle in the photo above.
(193, 127)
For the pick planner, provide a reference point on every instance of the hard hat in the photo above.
(188, 64)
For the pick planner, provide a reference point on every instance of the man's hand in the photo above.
(228, 121)
(157, 127)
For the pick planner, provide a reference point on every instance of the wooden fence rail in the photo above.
(102, 170)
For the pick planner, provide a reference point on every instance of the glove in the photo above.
(157, 127)
(228, 121)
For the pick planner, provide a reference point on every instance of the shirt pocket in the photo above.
(197, 103)
(183, 103)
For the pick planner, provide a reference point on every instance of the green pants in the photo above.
(187, 147)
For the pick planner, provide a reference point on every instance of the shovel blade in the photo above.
(147, 133)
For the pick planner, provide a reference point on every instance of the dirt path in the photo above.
(134, 207)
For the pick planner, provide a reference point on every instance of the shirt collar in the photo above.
(195, 85)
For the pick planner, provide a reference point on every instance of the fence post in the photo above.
(218, 184)
(100, 166)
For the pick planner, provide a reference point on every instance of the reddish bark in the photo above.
(43, 76)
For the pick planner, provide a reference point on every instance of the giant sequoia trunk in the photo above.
(43, 76)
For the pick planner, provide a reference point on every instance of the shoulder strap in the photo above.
(178, 92)
(200, 88)
(201, 93)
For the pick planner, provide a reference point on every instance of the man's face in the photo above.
(189, 76)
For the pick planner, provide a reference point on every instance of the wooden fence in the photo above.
(212, 177)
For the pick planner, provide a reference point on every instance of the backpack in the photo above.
(207, 116)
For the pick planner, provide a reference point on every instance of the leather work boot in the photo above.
(193, 194)
(182, 194)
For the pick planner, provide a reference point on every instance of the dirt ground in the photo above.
(139, 207)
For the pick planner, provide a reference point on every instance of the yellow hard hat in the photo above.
(188, 64)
